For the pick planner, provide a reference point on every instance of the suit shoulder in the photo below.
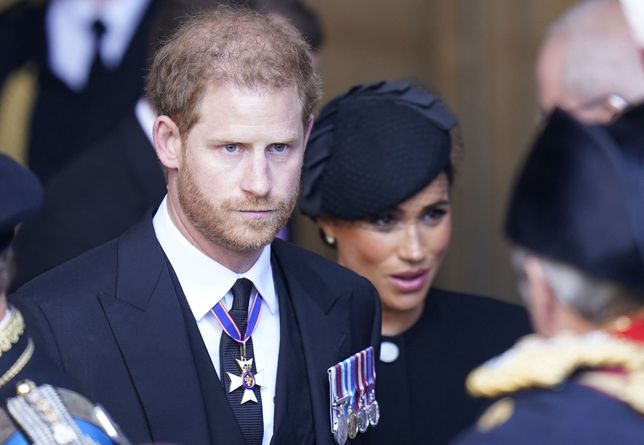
(92, 270)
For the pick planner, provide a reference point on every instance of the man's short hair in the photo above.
(594, 299)
(235, 45)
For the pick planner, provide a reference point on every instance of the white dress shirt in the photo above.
(205, 282)
(70, 38)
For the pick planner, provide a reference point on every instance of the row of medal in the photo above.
(353, 396)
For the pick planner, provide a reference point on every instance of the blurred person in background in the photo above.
(89, 57)
(377, 177)
(575, 219)
(589, 63)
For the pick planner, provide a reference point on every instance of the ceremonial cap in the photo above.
(21, 196)
(579, 199)
(372, 148)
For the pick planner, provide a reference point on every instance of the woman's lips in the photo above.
(409, 281)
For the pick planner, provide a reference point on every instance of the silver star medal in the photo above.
(247, 380)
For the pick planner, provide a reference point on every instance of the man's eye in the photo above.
(231, 148)
(279, 148)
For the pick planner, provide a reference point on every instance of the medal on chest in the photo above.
(247, 380)
(352, 392)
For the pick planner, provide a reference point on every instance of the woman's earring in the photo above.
(329, 240)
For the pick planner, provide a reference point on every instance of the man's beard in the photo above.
(222, 223)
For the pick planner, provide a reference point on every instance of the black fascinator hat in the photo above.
(579, 199)
(21, 196)
(372, 148)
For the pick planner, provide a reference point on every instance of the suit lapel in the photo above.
(147, 323)
(323, 341)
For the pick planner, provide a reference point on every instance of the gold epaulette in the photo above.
(537, 362)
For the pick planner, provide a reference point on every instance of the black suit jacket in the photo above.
(112, 320)
(95, 199)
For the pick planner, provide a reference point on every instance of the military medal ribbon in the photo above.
(230, 327)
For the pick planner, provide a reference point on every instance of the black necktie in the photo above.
(249, 415)
(97, 68)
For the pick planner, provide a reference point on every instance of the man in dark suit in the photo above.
(89, 57)
(197, 329)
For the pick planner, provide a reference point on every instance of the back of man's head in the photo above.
(589, 63)
(576, 210)
(229, 45)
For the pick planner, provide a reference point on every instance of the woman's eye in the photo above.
(434, 214)
(383, 221)
(230, 148)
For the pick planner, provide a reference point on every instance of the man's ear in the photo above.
(542, 303)
(167, 142)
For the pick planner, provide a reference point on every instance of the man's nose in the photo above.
(256, 179)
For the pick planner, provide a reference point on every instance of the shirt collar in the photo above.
(203, 280)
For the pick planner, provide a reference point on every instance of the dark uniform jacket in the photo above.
(571, 414)
(566, 389)
(113, 319)
(25, 366)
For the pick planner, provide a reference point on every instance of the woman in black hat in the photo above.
(377, 177)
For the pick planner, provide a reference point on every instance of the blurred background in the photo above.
(478, 54)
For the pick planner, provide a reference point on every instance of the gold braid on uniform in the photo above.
(537, 362)
(18, 364)
(11, 333)
(9, 336)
